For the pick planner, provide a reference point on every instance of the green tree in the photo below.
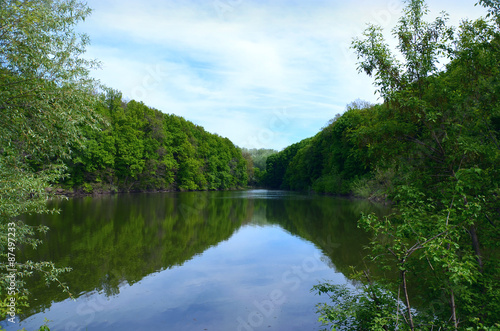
(420, 43)
(439, 134)
(330, 161)
(277, 164)
(46, 96)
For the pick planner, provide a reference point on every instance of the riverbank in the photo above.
(109, 190)
(95, 191)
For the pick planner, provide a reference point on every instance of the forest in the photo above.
(431, 148)
(138, 148)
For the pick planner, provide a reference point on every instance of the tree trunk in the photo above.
(475, 246)
(407, 298)
(453, 310)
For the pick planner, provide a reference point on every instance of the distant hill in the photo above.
(144, 149)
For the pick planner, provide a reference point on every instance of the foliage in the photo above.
(277, 164)
(45, 97)
(420, 43)
(442, 238)
(371, 308)
(259, 156)
(433, 148)
(256, 163)
(57, 128)
(143, 149)
(329, 162)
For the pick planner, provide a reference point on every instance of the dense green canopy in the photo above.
(143, 149)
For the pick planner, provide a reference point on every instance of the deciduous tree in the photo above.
(45, 97)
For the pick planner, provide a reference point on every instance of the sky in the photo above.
(265, 74)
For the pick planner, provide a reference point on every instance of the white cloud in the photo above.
(230, 65)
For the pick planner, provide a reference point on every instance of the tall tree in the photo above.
(46, 95)
(420, 43)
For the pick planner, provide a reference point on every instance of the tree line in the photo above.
(139, 148)
(329, 162)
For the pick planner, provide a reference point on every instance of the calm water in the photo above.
(242, 260)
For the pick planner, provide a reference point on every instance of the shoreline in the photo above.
(80, 192)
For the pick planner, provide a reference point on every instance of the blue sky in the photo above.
(265, 74)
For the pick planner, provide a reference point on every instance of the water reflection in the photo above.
(224, 260)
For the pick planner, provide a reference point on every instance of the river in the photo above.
(238, 260)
